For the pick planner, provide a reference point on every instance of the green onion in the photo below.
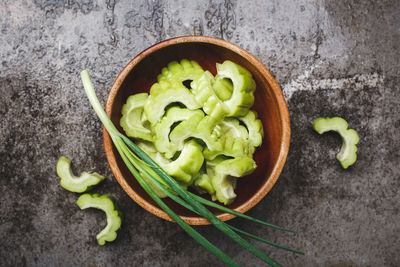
(138, 162)
(184, 204)
(222, 208)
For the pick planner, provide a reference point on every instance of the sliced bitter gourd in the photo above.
(187, 125)
(254, 127)
(348, 153)
(202, 89)
(223, 177)
(165, 93)
(185, 166)
(210, 122)
(203, 184)
(104, 203)
(234, 140)
(76, 184)
(162, 129)
(133, 119)
(190, 129)
(188, 164)
(223, 89)
(184, 71)
(242, 97)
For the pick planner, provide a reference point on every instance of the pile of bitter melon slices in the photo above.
(197, 127)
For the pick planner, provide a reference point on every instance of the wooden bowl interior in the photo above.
(144, 74)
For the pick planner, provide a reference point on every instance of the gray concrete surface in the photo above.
(330, 57)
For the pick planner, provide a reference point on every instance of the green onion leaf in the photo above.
(184, 204)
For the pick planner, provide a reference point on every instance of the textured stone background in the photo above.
(330, 57)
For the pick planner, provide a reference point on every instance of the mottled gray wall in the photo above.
(330, 58)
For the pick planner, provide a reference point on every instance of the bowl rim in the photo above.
(283, 111)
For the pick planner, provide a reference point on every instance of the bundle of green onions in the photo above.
(149, 174)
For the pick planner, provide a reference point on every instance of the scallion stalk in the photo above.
(178, 200)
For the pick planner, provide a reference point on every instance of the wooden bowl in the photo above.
(141, 73)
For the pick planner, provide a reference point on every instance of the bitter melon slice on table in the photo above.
(347, 155)
(76, 184)
(104, 203)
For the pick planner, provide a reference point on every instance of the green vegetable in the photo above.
(233, 139)
(188, 164)
(207, 116)
(223, 89)
(184, 204)
(104, 203)
(202, 88)
(193, 128)
(162, 129)
(242, 97)
(135, 159)
(165, 93)
(184, 71)
(254, 127)
(209, 122)
(185, 167)
(224, 182)
(153, 186)
(134, 120)
(203, 184)
(348, 153)
(72, 183)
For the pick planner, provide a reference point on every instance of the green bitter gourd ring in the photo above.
(193, 128)
(133, 118)
(185, 166)
(242, 97)
(165, 93)
(234, 140)
(162, 129)
(202, 89)
(202, 184)
(184, 71)
(188, 164)
(224, 180)
(254, 127)
(348, 152)
(104, 203)
(72, 183)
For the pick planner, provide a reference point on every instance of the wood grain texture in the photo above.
(141, 73)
